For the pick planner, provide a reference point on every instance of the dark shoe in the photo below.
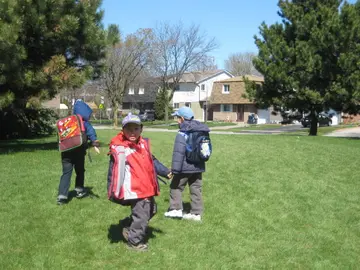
(138, 247)
(61, 201)
(125, 233)
(81, 194)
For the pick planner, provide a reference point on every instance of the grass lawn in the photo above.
(171, 124)
(303, 131)
(279, 202)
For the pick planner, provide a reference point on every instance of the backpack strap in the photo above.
(147, 143)
(81, 122)
(121, 168)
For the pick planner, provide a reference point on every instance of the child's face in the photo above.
(132, 132)
(179, 119)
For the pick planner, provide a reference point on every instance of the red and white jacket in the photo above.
(139, 180)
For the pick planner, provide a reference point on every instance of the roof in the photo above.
(199, 76)
(237, 89)
(241, 79)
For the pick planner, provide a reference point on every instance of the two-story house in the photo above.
(228, 103)
(194, 90)
(141, 95)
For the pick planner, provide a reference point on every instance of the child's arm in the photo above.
(91, 134)
(178, 154)
(160, 169)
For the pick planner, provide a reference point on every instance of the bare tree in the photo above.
(241, 64)
(178, 49)
(125, 61)
(207, 64)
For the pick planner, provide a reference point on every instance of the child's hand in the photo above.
(97, 150)
(170, 175)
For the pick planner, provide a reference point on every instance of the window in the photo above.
(226, 89)
(203, 87)
(177, 88)
(188, 104)
(141, 91)
(226, 108)
(131, 91)
(176, 105)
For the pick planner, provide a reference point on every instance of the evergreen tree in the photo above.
(161, 101)
(44, 45)
(308, 59)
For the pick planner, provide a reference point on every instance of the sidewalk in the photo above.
(345, 133)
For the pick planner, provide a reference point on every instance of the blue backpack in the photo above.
(198, 147)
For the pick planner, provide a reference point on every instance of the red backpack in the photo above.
(71, 132)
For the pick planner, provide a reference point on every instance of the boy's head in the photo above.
(132, 127)
(184, 113)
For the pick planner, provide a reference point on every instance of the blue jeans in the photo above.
(70, 160)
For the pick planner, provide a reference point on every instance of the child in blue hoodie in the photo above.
(76, 158)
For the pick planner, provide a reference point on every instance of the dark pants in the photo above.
(72, 159)
(177, 186)
(142, 211)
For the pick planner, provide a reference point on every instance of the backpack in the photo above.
(71, 132)
(198, 147)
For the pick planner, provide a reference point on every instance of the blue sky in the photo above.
(233, 22)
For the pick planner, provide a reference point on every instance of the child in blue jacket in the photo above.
(75, 159)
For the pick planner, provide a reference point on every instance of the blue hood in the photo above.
(193, 125)
(83, 109)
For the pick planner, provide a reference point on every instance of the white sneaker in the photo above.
(174, 214)
(190, 216)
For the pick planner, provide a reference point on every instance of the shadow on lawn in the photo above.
(115, 231)
(9, 147)
(90, 194)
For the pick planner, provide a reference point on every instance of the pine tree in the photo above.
(307, 60)
(45, 44)
(160, 102)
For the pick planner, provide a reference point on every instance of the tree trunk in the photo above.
(166, 112)
(166, 106)
(115, 110)
(314, 124)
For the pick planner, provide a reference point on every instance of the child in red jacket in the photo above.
(140, 184)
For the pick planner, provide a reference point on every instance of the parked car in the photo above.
(147, 115)
(323, 120)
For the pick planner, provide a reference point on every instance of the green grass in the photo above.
(271, 202)
(303, 131)
(252, 127)
(171, 124)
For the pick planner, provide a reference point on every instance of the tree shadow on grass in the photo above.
(10, 147)
(115, 231)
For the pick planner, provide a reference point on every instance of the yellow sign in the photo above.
(101, 106)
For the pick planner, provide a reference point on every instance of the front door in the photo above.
(240, 113)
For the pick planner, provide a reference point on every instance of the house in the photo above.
(228, 103)
(194, 90)
(141, 95)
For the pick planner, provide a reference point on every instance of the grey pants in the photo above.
(177, 186)
(141, 212)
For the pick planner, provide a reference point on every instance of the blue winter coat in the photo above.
(179, 162)
(85, 111)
